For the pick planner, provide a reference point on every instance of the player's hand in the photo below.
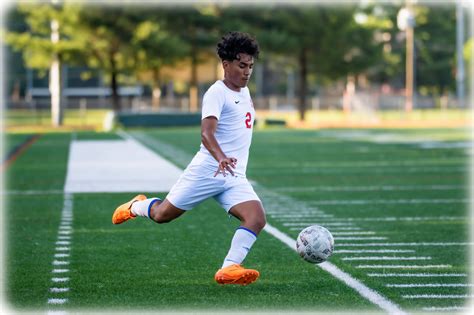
(226, 164)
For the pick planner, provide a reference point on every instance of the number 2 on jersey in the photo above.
(248, 120)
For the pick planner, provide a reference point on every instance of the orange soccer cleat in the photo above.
(236, 274)
(123, 213)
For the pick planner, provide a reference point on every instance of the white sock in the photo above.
(142, 208)
(241, 243)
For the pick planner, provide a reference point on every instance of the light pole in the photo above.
(406, 22)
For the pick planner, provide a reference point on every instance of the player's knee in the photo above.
(261, 222)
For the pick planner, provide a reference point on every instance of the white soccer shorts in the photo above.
(198, 183)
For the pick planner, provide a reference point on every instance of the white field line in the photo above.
(32, 192)
(388, 219)
(318, 223)
(438, 296)
(389, 201)
(417, 275)
(363, 290)
(362, 251)
(385, 258)
(354, 233)
(403, 266)
(362, 238)
(284, 204)
(428, 285)
(406, 244)
(371, 188)
(445, 309)
(339, 228)
(62, 252)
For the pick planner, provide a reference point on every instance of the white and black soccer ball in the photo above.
(315, 244)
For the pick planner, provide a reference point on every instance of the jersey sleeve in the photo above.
(213, 103)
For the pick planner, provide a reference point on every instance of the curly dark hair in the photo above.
(234, 43)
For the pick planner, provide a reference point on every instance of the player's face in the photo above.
(237, 72)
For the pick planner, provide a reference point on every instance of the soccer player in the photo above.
(218, 168)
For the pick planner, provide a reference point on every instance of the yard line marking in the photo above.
(370, 188)
(392, 219)
(64, 279)
(389, 201)
(386, 258)
(363, 290)
(61, 255)
(402, 266)
(362, 238)
(317, 223)
(338, 228)
(438, 296)
(356, 251)
(418, 275)
(62, 248)
(58, 290)
(354, 233)
(57, 301)
(428, 285)
(408, 244)
(32, 192)
(445, 309)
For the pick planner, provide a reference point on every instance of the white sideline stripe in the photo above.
(428, 285)
(402, 266)
(388, 201)
(112, 169)
(57, 301)
(386, 258)
(438, 296)
(445, 309)
(61, 255)
(62, 248)
(418, 275)
(58, 290)
(363, 290)
(407, 244)
(362, 238)
(357, 251)
(60, 270)
(60, 262)
(393, 219)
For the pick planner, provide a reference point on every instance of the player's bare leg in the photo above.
(252, 216)
(164, 211)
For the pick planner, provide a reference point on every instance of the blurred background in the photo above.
(73, 64)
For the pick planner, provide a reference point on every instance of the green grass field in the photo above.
(382, 194)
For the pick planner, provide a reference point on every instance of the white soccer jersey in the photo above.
(235, 114)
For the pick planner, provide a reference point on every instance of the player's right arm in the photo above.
(208, 130)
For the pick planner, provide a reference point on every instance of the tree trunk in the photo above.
(303, 83)
(114, 84)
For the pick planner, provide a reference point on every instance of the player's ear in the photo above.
(225, 63)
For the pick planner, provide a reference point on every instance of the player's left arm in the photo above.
(208, 129)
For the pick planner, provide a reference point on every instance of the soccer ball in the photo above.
(315, 244)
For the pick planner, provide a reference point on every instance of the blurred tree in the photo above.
(196, 25)
(107, 32)
(155, 46)
(326, 42)
(40, 51)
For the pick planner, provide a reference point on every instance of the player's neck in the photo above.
(231, 86)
